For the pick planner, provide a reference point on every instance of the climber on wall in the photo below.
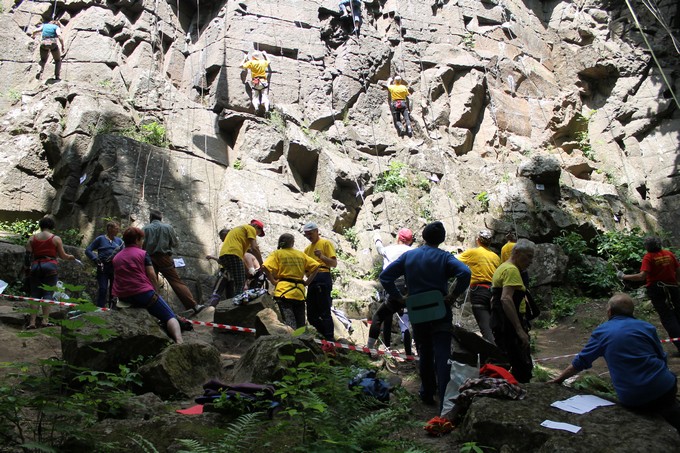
(258, 63)
(351, 8)
(398, 98)
(50, 43)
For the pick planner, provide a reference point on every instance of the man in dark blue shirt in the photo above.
(636, 361)
(425, 269)
(106, 246)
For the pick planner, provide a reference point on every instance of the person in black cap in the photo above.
(429, 268)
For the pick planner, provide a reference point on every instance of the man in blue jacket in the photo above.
(636, 361)
(429, 268)
(105, 246)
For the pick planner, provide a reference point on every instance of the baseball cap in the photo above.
(260, 225)
(405, 235)
(310, 226)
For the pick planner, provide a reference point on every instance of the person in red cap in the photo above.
(383, 316)
(235, 245)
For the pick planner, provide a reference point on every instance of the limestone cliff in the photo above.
(534, 116)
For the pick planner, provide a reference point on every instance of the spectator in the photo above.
(319, 300)
(105, 246)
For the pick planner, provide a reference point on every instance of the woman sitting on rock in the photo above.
(136, 282)
(44, 249)
(286, 268)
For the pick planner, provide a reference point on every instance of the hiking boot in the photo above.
(409, 133)
(214, 300)
(198, 309)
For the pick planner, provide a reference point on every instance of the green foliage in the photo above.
(237, 437)
(40, 411)
(564, 305)
(583, 138)
(316, 197)
(351, 236)
(13, 94)
(335, 293)
(277, 121)
(594, 384)
(21, 228)
(541, 374)
(483, 198)
(469, 40)
(392, 179)
(572, 244)
(623, 249)
(152, 133)
(70, 236)
(238, 164)
(472, 447)
(423, 184)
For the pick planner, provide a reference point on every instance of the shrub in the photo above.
(392, 179)
(351, 236)
(21, 228)
(623, 249)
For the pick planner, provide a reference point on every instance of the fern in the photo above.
(237, 438)
(145, 445)
(193, 446)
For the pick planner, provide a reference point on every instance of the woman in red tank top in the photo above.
(44, 247)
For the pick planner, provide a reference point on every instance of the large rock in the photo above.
(113, 338)
(549, 266)
(244, 315)
(515, 426)
(262, 363)
(181, 369)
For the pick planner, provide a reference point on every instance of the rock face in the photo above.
(514, 426)
(531, 116)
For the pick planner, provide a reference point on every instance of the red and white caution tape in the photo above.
(46, 301)
(554, 358)
(365, 349)
(220, 326)
(670, 340)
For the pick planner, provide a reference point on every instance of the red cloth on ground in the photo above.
(498, 372)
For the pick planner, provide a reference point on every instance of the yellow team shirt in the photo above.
(482, 263)
(290, 264)
(508, 274)
(398, 92)
(326, 248)
(258, 68)
(506, 251)
(237, 241)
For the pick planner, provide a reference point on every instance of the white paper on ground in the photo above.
(580, 404)
(3, 285)
(559, 425)
(179, 262)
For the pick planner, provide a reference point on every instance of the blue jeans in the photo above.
(155, 306)
(433, 342)
(319, 304)
(104, 284)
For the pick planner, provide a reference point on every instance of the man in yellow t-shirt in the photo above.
(319, 299)
(398, 97)
(258, 64)
(482, 263)
(286, 269)
(511, 239)
(235, 245)
(509, 323)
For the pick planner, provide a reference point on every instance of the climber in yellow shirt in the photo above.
(398, 98)
(258, 64)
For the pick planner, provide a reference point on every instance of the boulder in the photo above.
(515, 426)
(11, 262)
(541, 169)
(262, 363)
(181, 369)
(244, 315)
(267, 323)
(549, 266)
(103, 340)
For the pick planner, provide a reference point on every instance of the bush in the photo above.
(623, 249)
(152, 133)
(391, 180)
(21, 228)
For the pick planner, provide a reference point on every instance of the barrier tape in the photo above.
(554, 358)
(365, 349)
(47, 301)
(220, 326)
(671, 340)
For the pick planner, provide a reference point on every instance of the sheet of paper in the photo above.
(3, 285)
(581, 404)
(559, 425)
(179, 262)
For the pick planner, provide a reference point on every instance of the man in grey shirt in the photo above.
(159, 240)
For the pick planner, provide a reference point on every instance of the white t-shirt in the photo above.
(391, 252)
